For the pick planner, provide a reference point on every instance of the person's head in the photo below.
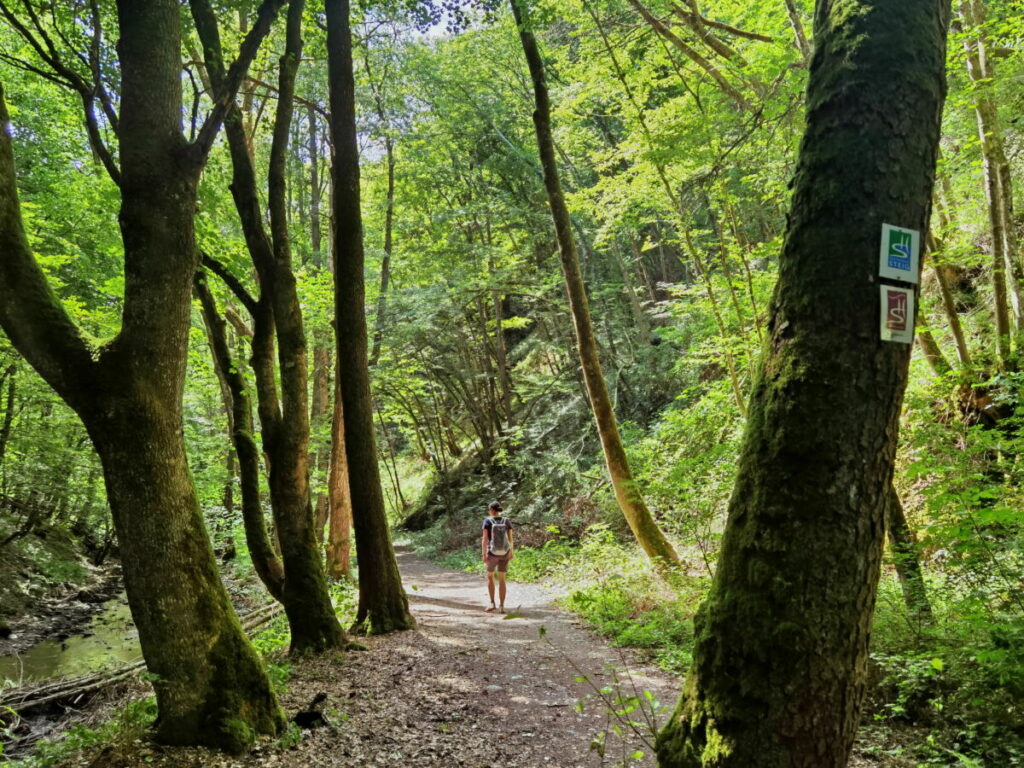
(494, 509)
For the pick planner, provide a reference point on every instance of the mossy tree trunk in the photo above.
(284, 417)
(630, 501)
(210, 686)
(265, 561)
(782, 640)
(383, 606)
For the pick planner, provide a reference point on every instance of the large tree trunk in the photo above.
(210, 686)
(782, 640)
(629, 499)
(383, 606)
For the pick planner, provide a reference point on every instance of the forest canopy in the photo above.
(280, 283)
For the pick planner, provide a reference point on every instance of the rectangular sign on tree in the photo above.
(899, 255)
(897, 318)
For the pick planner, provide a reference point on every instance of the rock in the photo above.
(5, 631)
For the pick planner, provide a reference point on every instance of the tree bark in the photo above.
(383, 606)
(781, 642)
(243, 436)
(210, 686)
(339, 543)
(284, 420)
(630, 501)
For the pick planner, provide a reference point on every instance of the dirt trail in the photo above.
(466, 689)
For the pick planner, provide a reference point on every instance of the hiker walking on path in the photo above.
(496, 543)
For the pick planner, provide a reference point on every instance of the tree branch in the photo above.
(232, 282)
(30, 314)
(693, 55)
(226, 84)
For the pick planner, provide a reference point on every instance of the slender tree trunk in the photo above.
(315, 236)
(383, 606)
(904, 555)
(284, 421)
(320, 456)
(994, 160)
(781, 647)
(385, 265)
(311, 618)
(630, 501)
(264, 558)
(5, 430)
(339, 544)
(799, 36)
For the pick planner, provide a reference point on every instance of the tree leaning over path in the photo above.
(630, 501)
(782, 640)
(210, 686)
(383, 606)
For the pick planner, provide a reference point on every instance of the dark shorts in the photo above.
(498, 561)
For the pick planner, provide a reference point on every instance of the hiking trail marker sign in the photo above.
(897, 318)
(899, 255)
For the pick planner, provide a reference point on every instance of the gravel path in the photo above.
(465, 689)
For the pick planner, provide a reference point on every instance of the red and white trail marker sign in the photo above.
(897, 314)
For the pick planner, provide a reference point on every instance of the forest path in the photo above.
(465, 689)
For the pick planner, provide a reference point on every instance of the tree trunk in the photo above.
(311, 618)
(315, 236)
(5, 430)
(385, 265)
(339, 545)
(210, 686)
(383, 606)
(996, 177)
(630, 501)
(782, 640)
(320, 456)
(264, 558)
(284, 421)
(905, 559)
(799, 36)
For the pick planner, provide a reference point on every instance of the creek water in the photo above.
(109, 639)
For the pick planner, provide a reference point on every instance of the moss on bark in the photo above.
(781, 642)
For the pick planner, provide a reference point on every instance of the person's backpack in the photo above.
(499, 536)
